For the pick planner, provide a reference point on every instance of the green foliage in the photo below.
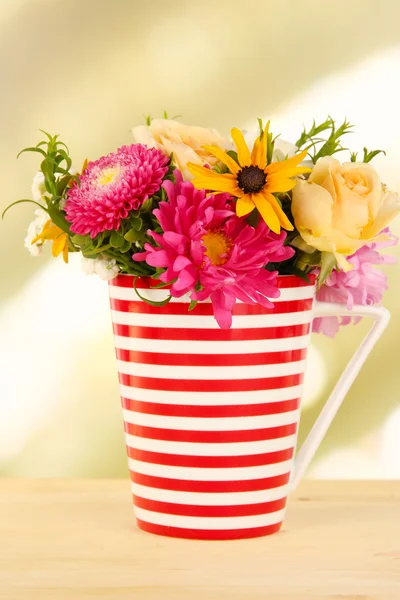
(323, 146)
(328, 263)
(368, 156)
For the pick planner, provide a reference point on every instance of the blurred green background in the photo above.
(90, 70)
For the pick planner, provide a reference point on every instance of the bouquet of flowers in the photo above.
(219, 220)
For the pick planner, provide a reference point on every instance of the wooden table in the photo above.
(67, 539)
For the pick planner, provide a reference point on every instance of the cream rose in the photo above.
(341, 207)
(185, 142)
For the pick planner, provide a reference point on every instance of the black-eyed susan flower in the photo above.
(251, 180)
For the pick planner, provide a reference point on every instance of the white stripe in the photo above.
(210, 498)
(209, 523)
(211, 424)
(210, 449)
(211, 373)
(211, 347)
(211, 398)
(203, 474)
(208, 322)
(127, 293)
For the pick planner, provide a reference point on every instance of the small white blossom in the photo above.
(105, 268)
(34, 229)
(38, 188)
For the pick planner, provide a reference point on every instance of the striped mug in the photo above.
(211, 416)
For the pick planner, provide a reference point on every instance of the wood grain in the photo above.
(67, 539)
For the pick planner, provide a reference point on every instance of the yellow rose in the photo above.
(185, 142)
(341, 207)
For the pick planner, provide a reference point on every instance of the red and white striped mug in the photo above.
(211, 416)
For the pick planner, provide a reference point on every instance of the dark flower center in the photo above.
(251, 179)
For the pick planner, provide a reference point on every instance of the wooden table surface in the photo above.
(68, 539)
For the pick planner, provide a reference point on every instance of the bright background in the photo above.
(90, 70)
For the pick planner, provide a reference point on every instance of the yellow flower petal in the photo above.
(288, 164)
(241, 146)
(259, 152)
(65, 253)
(209, 180)
(283, 220)
(224, 157)
(244, 206)
(279, 183)
(59, 244)
(267, 212)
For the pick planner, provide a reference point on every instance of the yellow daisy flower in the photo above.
(50, 231)
(253, 182)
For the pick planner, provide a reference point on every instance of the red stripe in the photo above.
(191, 510)
(211, 437)
(184, 485)
(204, 412)
(207, 534)
(203, 335)
(205, 308)
(205, 385)
(283, 281)
(210, 462)
(211, 360)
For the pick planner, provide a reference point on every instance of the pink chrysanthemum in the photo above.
(205, 244)
(364, 284)
(111, 187)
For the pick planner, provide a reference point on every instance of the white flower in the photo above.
(34, 229)
(105, 268)
(38, 188)
(283, 149)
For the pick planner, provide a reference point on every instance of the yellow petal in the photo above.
(289, 163)
(283, 220)
(241, 147)
(244, 206)
(279, 183)
(267, 212)
(59, 244)
(65, 253)
(259, 153)
(209, 180)
(224, 157)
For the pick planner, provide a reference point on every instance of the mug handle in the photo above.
(381, 318)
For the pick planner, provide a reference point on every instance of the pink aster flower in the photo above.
(364, 284)
(111, 187)
(211, 253)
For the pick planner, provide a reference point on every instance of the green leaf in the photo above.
(328, 263)
(353, 156)
(147, 205)
(116, 239)
(20, 202)
(192, 305)
(260, 125)
(39, 150)
(368, 156)
(62, 184)
(151, 302)
(270, 148)
(137, 223)
(80, 240)
(126, 246)
(58, 218)
(133, 235)
(233, 155)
